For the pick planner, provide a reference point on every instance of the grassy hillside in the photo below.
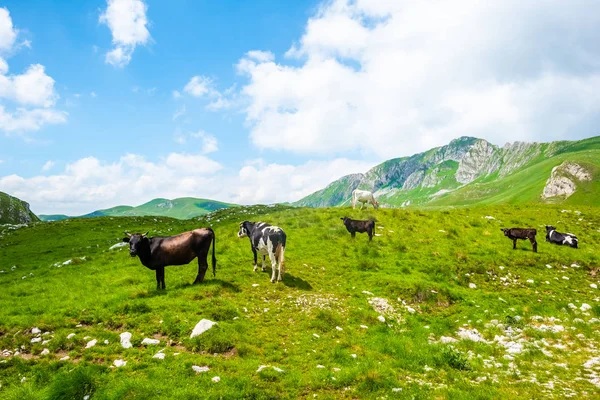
(182, 208)
(15, 211)
(436, 277)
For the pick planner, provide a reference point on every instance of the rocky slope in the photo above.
(14, 211)
(466, 169)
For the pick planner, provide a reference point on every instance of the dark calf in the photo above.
(521, 233)
(353, 226)
(160, 251)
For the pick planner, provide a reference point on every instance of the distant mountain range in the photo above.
(14, 211)
(182, 208)
(473, 171)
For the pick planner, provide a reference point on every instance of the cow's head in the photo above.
(136, 242)
(376, 204)
(243, 232)
(505, 230)
(550, 228)
(344, 219)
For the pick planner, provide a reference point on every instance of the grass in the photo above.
(417, 273)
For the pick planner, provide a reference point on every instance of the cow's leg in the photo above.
(255, 259)
(160, 278)
(264, 267)
(353, 234)
(273, 265)
(533, 244)
(370, 232)
(514, 244)
(202, 267)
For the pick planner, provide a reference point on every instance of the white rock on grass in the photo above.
(277, 369)
(91, 343)
(548, 266)
(119, 363)
(530, 281)
(70, 336)
(364, 327)
(261, 367)
(447, 339)
(320, 366)
(35, 331)
(151, 342)
(592, 362)
(202, 327)
(315, 335)
(36, 340)
(572, 306)
(198, 369)
(65, 358)
(381, 318)
(216, 379)
(338, 328)
(593, 286)
(118, 245)
(470, 334)
(125, 340)
(472, 285)
(410, 310)
(585, 307)
(353, 355)
(45, 352)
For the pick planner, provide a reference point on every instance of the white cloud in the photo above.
(8, 34)
(176, 94)
(93, 94)
(180, 112)
(89, 184)
(209, 143)
(31, 93)
(127, 22)
(48, 166)
(198, 86)
(392, 78)
(261, 56)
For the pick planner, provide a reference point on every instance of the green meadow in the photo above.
(438, 305)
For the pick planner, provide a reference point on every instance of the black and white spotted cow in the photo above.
(266, 240)
(560, 238)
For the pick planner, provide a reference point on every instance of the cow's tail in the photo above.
(280, 254)
(214, 259)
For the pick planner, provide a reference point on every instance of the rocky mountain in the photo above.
(14, 211)
(471, 171)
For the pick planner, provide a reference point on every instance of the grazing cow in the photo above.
(160, 251)
(267, 240)
(521, 233)
(353, 226)
(560, 238)
(363, 196)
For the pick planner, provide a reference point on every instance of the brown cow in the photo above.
(160, 251)
(521, 233)
(353, 226)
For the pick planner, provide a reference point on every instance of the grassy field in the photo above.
(437, 306)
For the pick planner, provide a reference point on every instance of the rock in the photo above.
(261, 367)
(119, 363)
(118, 245)
(36, 340)
(381, 318)
(159, 355)
(198, 369)
(472, 285)
(530, 281)
(91, 343)
(202, 327)
(593, 286)
(277, 369)
(338, 328)
(45, 352)
(315, 335)
(255, 285)
(585, 307)
(471, 334)
(320, 366)
(447, 339)
(150, 342)
(367, 293)
(125, 340)
(410, 309)
(35, 331)
(562, 180)
(572, 306)
(216, 379)
(364, 327)
(353, 355)
(65, 358)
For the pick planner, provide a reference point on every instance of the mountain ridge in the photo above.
(452, 175)
(15, 211)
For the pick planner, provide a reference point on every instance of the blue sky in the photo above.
(120, 101)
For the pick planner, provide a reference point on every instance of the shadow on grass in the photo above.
(290, 280)
(211, 282)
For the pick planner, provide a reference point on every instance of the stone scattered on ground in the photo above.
(125, 340)
(202, 327)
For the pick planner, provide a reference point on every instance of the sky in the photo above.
(104, 103)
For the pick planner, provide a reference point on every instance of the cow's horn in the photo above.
(128, 234)
(145, 234)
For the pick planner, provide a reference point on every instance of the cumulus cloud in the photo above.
(127, 22)
(208, 142)
(394, 78)
(89, 184)
(31, 95)
(48, 166)
(204, 87)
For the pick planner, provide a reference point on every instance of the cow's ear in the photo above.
(126, 240)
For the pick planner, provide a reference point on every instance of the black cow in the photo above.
(560, 238)
(521, 233)
(160, 251)
(266, 239)
(353, 226)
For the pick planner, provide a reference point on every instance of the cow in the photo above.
(267, 240)
(560, 238)
(353, 226)
(521, 233)
(160, 251)
(363, 196)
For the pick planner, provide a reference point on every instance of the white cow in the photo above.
(363, 196)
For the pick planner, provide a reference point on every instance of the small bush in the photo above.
(453, 358)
